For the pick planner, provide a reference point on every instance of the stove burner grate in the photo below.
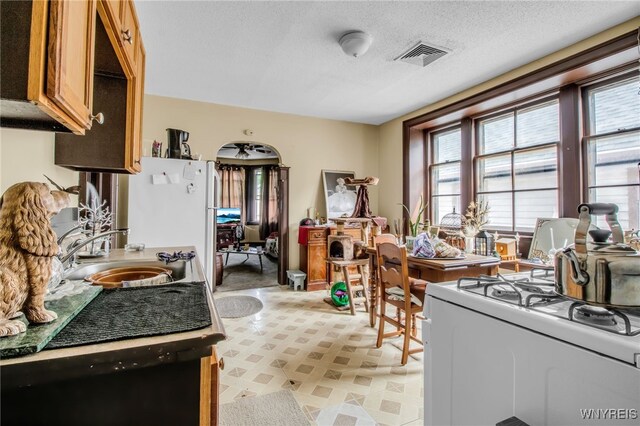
(538, 294)
(504, 291)
(537, 288)
(540, 273)
(511, 289)
(602, 318)
(595, 315)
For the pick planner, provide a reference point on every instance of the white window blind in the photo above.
(517, 165)
(445, 172)
(612, 144)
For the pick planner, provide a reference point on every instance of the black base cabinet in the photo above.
(166, 394)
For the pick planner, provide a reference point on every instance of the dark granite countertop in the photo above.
(102, 358)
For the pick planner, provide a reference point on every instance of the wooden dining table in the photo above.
(440, 270)
(435, 271)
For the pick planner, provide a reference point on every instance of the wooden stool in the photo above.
(361, 277)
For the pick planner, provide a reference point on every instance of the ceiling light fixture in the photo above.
(355, 43)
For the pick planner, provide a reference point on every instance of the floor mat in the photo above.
(125, 313)
(278, 408)
(237, 306)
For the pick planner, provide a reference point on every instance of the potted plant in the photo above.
(414, 224)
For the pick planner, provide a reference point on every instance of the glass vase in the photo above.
(408, 242)
(469, 244)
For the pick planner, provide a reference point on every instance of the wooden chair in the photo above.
(384, 238)
(375, 273)
(394, 288)
(418, 287)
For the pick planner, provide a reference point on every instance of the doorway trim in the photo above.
(283, 224)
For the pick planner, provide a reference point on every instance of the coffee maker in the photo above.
(178, 147)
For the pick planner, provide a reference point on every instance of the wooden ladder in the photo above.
(361, 278)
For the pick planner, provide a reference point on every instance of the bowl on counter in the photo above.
(130, 276)
(118, 271)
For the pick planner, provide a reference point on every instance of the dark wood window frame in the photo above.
(563, 77)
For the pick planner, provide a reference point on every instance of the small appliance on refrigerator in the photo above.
(173, 202)
(178, 147)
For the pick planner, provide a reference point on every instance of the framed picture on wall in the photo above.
(339, 198)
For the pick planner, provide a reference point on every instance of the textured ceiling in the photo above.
(284, 56)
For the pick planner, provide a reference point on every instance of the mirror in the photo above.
(551, 235)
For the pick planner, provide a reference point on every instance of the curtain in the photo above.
(269, 210)
(232, 182)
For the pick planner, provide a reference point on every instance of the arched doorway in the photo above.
(255, 186)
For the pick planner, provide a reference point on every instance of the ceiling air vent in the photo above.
(421, 54)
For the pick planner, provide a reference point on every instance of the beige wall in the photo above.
(390, 133)
(306, 145)
(26, 155)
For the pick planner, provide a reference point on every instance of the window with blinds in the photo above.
(517, 165)
(612, 146)
(445, 148)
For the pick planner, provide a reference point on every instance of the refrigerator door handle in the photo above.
(210, 248)
(214, 198)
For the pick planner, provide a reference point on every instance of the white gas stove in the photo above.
(502, 347)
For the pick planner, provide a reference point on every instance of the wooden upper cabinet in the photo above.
(68, 61)
(129, 31)
(135, 146)
(115, 8)
(124, 20)
(118, 88)
(48, 50)
(70, 58)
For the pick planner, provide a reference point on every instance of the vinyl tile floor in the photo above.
(326, 357)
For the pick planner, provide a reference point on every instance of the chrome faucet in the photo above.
(69, 232)
(71, 254)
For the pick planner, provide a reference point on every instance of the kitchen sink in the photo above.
(180, 270)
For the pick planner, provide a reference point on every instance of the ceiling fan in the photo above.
(244, 149)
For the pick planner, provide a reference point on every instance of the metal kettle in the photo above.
(600, 273)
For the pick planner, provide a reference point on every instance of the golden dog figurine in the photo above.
(27, 246)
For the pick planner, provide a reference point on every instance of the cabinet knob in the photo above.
(99, 118)
(221, 363)
(126, 35)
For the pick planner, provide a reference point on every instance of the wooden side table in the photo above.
(526, 265)
(515, 263)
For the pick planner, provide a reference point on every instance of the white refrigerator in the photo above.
(173, 202)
